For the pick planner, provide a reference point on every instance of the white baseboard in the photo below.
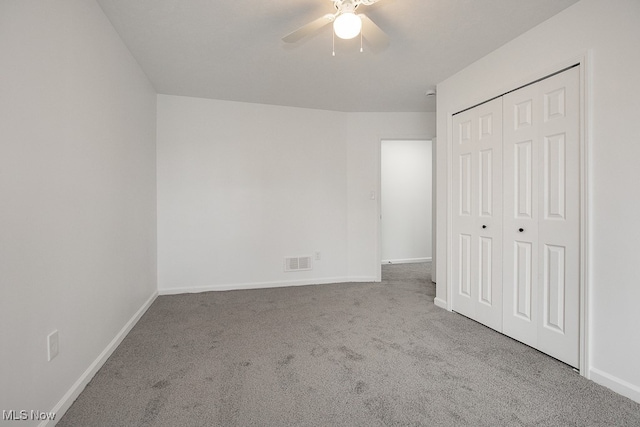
(440, 303)
(363, 279)
(616, 384)
(405, 260)
(264, 285)
(70, 396)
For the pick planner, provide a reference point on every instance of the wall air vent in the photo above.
(298, 263)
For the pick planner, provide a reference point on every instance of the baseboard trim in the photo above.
(439, 302)
(616, 384)
(265, 285)
(363, 279)
(405, 260)
(70, 396)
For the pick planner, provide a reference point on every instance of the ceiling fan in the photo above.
(346, 24)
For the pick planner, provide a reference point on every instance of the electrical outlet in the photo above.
(318, 256)
(53, 345)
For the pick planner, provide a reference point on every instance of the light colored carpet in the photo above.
(343, 354)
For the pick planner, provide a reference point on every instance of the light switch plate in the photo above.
(53, 345)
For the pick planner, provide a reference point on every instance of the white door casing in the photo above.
(542, 215)
(477, 214)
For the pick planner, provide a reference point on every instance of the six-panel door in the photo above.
(542, 215)
(477, 208)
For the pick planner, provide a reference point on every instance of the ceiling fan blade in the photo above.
(373, 34)
(308, 29)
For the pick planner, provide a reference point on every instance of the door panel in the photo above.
(486, 183)
(554, 187)
(465, 184)
(523, 114)
(523, 175)
(522, 280)
(520, 220)
(486, 270)
(554, 287)
(559, 230)
(477, 208)
(541, 221)
(464, 268)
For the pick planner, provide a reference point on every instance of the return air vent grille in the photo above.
(299, 263)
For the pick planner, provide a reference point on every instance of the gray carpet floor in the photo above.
(361, 354)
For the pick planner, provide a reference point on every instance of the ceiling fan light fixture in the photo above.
(347, 25)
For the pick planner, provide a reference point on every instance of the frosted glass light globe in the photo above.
(347, 25)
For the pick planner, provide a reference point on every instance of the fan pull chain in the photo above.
(361, 42)
(334, 42)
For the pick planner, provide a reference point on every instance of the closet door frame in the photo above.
(583, 61)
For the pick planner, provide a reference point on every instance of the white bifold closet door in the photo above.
(542, 215)
(516, 217)
(477, 211)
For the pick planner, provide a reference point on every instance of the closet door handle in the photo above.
(521, 229)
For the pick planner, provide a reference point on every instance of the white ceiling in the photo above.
(232, 49)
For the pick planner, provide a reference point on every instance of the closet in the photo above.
(516, 214)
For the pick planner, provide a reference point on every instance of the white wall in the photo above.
(609, 30)
(77, 191)
(241, 186)
(405, 199)
(365, 131)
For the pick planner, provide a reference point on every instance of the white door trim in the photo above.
(583, 60)
(585, 192)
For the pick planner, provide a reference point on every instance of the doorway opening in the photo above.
(406, 201)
